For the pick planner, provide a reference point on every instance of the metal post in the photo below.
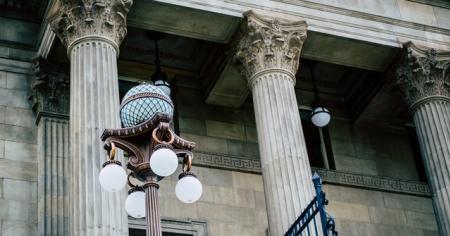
(320, 201)
(152, 216)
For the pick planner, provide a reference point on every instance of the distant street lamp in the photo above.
(153, 150)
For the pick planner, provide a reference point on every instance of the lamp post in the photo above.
(153, 149)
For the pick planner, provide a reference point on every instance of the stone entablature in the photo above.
(75, 20)
(379, 183)
(49, 90)
(269, 44)
(424, 74)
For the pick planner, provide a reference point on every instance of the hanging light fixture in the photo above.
(159, 78)
(320, 116)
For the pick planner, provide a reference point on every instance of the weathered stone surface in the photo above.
(355, 165)
(20, 190)
(387, 216)
(2, 149)
(20, 151)
(243, 149)
(421, 220)
(251, 134)
(2, 79)
(208, 144)
(247, 181)
(19, 117)
(14, 98)
(18, 210)
(407, 202)
(349, 211)
(18, 134)
(18, 170)
(354, 195)
(16, 81)
(225, 130)
(192, 125)
(18, 228)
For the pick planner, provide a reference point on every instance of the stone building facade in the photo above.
(242, 89)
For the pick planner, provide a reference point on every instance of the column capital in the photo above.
(75, 20)
(424, 74)
(49, 89)
(269, 43)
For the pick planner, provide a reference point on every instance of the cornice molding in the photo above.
(265, 43)
(378, 183)
(73, 20)
(424, 74)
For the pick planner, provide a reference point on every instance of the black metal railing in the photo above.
(307, 223)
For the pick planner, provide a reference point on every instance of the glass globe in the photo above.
(320, 116)
(135, 204)
(141, 103)
(188, 189)
(113, 177)
(164, 162)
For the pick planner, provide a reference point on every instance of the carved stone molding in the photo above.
(74, 20)
(49, 88)
(269, 43)
(378, 183)
(424, 74)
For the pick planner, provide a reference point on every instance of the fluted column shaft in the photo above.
(53, 159)
(269, 51)
(424, 77)
(284, 160)
(432, 121)
(153, 217)
(94, 105)
(92, 32)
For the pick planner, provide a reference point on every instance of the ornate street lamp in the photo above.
(153, 150)
(320, 116)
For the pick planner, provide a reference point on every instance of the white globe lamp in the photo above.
(188, 188)
(163, 161)
(135, 203)
(112, 177)
(320, 116)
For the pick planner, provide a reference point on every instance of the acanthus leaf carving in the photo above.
(269, 43)
(49, 87)
(424, 74)
(75, 19)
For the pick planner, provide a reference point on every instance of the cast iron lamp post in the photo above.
(153, 149)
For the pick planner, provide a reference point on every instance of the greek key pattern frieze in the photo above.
(227, 162)
(387, 184)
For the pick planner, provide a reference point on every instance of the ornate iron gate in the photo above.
(307, 224)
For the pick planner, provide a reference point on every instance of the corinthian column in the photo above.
(92, 32)
(49, 95)
(424, 78)
(269, 51)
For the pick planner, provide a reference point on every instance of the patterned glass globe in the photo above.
(142, 103)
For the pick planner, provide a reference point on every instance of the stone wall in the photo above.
(232, 202)
(216, 129)
(373, 213)
(372, 150)
(18, 154)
